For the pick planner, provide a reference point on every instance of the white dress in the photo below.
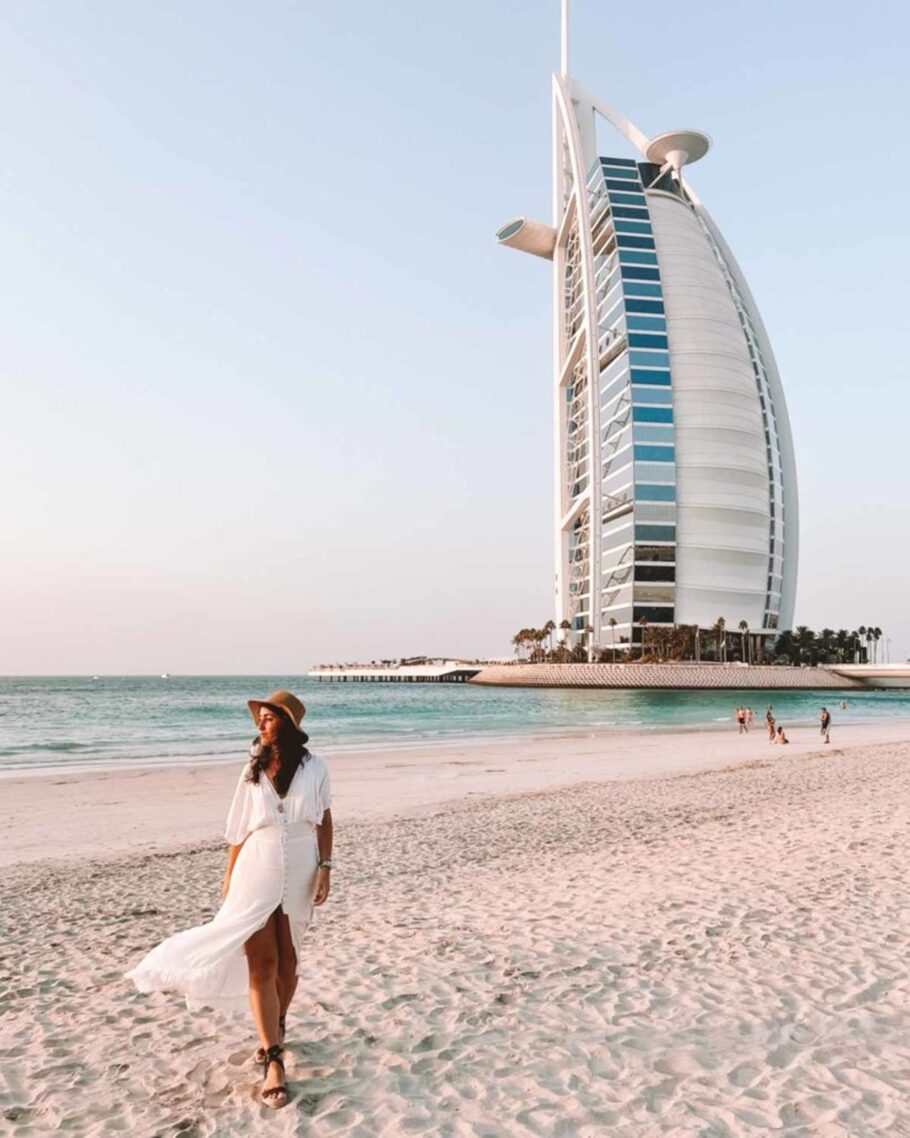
(276, 866)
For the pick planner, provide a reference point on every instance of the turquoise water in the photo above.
(71, 723)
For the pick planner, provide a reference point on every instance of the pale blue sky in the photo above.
(273, 395)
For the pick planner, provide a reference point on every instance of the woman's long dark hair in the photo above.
(291, 750)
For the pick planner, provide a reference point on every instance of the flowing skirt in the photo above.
(276, 867)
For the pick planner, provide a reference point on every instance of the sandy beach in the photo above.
(662, 934)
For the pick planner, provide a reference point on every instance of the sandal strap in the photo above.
(272, 1055)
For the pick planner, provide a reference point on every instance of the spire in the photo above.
(564, 41)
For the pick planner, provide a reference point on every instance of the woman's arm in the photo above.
(324, 835)
(233, 851)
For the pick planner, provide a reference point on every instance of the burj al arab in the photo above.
(676, 498)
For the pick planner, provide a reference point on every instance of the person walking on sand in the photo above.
(826, 724)
(741, 719)
(769, 721)
(749, 719)
(279, 834)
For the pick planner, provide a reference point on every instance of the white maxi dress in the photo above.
(276, 867)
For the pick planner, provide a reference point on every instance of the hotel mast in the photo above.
(676, 497)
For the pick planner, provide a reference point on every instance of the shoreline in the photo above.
(109, 813)
(433, 743)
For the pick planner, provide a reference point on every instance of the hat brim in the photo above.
(256, 704)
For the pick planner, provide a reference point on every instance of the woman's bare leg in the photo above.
(262, 960)
(287, 963)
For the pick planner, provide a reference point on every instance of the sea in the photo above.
(72, 723)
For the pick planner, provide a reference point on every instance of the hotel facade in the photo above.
(676, 498)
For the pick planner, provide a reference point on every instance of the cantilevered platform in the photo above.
(447, 672)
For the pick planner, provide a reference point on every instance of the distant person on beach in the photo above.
(279, 834)
(843, 705)
(781, 736)
(741, 719)
(750, 718)
(769, 720)
(826, 724)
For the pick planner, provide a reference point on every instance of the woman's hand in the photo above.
(322, 887)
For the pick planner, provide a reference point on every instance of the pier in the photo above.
(445, 672)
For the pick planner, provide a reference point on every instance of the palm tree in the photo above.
(643, 624)
(720, 628)
(743, 629)
(841, 645)
(518, 640)
(784, 648)
(826, 639)
(612, 624)
(566, 628)
(861, 632)
(804, 641)
(876, 636)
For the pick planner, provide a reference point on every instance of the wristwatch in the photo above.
(325, 863)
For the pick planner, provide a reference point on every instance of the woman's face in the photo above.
(268, 725)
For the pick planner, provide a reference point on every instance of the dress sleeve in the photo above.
(238, 819)
(323, 791)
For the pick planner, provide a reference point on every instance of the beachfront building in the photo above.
(676, 498)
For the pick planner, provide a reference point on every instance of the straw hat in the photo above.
(283, 701)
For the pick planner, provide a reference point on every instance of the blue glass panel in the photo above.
(640, 340)
(649, 359)
(635, 305)
(627, 199)
(637, 257)
(639, 273)
(654, 454)
(652, 395)
(645, 493)
(630, 241)
(607, 161)
(655, 533)
(651, 434)
(625, 211)
(615, 170)
(622, 226)
(647, 323)
(642, 288)
(615, 184)
(652, 414)
(654, 378)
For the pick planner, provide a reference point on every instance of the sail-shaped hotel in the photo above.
(676, 498)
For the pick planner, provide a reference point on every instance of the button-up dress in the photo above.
(276, 867)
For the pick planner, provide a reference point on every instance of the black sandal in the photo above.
(274, 1097)
(259, 1053)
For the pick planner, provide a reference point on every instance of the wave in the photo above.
(33, 748)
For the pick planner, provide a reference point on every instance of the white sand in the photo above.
(709, 953)
(157, 810)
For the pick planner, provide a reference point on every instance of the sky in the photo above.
(271, 393)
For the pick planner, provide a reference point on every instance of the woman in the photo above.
(279, 831)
